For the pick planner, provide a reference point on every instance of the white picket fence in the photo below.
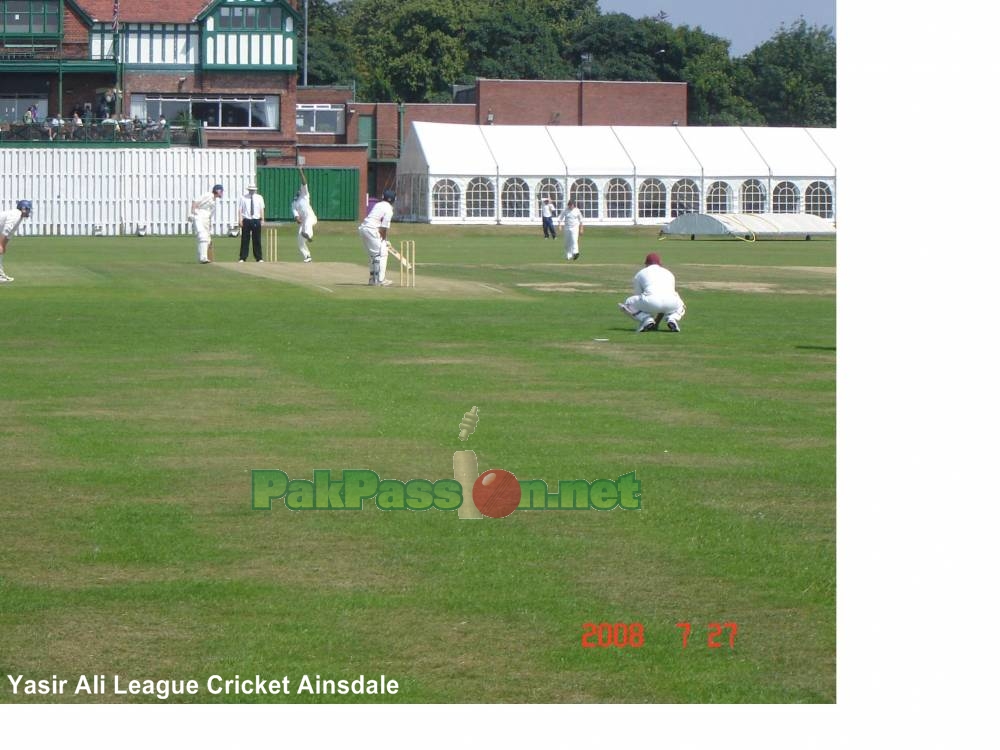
(118, 191)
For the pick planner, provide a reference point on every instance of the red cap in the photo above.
(652, 259)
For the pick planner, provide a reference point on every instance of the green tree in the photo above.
(713, 94)
(792, 78)
(411, 50)
(623, 48)
(331, 51)
(516, 40)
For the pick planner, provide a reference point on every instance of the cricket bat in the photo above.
(392, 251)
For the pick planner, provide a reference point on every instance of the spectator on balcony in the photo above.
(55, 126)
(29, 116)
(110, 128)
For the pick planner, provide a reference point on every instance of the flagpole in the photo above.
(119, 69)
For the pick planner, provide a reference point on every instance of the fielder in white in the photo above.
(572, 222)
(9, 222)
(202, 211)
(303, 212)
(374, 231)
(655, 294)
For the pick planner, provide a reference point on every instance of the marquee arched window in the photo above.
(652, 199)
(446, 199)
(618, 199)
(684, 198)
(480, 200)
(584, 192)
(785, 199)
(515, 199)
(819, 200)
(718, 198)
(753, 197)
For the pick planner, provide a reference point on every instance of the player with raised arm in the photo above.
(304, 215)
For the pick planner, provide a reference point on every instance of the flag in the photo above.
(114, 17)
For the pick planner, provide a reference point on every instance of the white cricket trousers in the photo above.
(377, 253)
(643, 306)
(571, 240)
(202, 225)
(305, 233)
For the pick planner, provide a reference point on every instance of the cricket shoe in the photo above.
(576, 256)
(647, 325)
(4, 278)
(307, 259)
(385, 282)
(673, 326)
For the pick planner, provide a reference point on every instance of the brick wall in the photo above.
(582, 103)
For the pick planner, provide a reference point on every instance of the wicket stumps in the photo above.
(408, 263)
(271, 245)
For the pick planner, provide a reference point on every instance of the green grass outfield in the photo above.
(139, 389)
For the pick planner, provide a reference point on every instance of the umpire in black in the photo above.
(251, 218)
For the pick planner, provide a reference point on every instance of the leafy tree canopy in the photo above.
(415, 50)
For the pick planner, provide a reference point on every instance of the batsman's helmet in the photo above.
(24, 205)
(389, 196)
(217, 187)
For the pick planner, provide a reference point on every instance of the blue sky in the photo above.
(745, 23)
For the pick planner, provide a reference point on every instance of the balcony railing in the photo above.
(125, 132)
(383, 149)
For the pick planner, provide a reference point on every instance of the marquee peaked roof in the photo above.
(440, 149)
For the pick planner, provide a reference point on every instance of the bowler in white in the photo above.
(303, 212)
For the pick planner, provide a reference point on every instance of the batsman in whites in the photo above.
(374, 231)
(202, 211)
(9, 222)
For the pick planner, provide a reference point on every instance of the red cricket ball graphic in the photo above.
(496, 493)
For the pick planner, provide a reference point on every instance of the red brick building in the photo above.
(223, 73)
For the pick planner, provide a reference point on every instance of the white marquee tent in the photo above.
(485, 174)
